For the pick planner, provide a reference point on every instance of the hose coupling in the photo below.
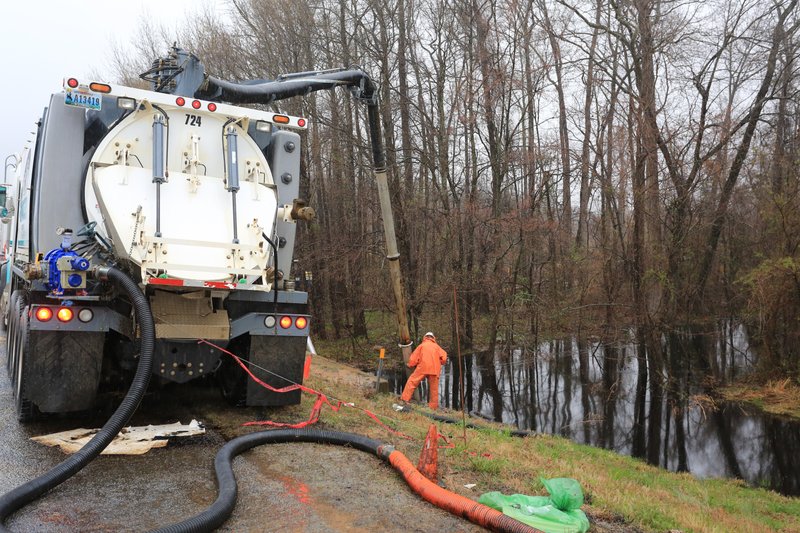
(101, 272)
(384, 451)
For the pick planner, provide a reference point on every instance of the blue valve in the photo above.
(80, 263)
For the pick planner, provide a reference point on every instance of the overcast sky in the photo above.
(42, 41)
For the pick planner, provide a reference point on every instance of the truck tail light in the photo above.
(85, 315)
(100, 87)
(181, 101)
(286, 322)
(44, 314)
(72, 82)
(301, 322)
(64, 314)
(212, 107)
(269, 321)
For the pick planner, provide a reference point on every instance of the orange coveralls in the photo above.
(428, 359)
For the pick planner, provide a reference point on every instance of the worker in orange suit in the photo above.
(428, 359)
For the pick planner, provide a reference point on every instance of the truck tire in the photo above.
(13, 315)
(231, 378)
(26, 409)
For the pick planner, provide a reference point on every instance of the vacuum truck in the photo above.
(193, 195)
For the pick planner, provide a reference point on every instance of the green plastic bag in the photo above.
(542, 512)
(565, 492)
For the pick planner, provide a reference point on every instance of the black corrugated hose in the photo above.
(215, 515)
(15, 499)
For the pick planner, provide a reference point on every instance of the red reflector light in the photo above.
(196, 104)
(301, 122)
(64, 314)
(181, 101)
(100, 87)
(301, 322)
(286, 322)
(72, 82)
(280, 119)
(212, 106)
(43, 314)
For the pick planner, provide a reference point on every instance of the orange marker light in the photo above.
(286, 322)
(280, 119)
(64, 314)
(43, 314)
(301, 322)
(100, 87)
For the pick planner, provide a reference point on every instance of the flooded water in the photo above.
(611, 396)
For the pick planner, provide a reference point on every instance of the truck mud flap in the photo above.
(64, 370)
(284, 358)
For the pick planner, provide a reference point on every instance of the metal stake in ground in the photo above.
(380, 368)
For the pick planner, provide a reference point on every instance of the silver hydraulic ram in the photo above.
(158, 165)
(233, 174)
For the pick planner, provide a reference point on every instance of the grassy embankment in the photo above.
(622, 493)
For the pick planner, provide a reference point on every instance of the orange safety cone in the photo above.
(429, 458)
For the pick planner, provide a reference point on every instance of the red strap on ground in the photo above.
(315, 410)
(447, 443)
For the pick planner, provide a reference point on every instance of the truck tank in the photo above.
(197, 200)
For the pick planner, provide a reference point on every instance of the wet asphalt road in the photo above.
(297, 487)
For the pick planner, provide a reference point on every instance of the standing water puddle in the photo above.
(600, 395)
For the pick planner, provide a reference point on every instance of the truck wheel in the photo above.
(9, 321)
(13, 315)
(230, 376)
(26, 409)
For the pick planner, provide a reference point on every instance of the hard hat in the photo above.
(430, 334)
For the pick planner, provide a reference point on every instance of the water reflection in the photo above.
(607, 395)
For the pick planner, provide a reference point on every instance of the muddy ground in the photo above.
(287, 487)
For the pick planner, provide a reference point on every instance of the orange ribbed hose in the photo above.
(458, 505)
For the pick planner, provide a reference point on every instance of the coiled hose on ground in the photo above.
(215, 515)
(15, 499)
